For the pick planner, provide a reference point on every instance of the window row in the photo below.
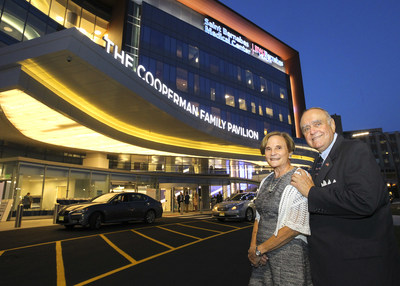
(23, 22)
(197, 58)
(215, 93)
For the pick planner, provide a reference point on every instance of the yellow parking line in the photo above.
(60, 265)
(207, 221)
(1, 252)
(200, 228)
(178, 232)
(152, 239)
(119, 250)
(152, 257)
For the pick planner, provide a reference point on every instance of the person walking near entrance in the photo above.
(179, 199)
(187, 200)
(27, 201)
(195, 201)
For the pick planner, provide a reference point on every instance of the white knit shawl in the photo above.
(293, 212)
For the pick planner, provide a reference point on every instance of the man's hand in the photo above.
(302, 181)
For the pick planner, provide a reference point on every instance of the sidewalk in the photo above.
(48, 221)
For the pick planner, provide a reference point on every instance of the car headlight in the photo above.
(82, 211)
(215, 208)
(237, 207)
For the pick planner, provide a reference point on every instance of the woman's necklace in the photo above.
(271, 186)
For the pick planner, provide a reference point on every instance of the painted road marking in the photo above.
(60, 265)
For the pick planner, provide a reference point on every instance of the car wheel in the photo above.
(95, 221)
(70, 226)
(150, 216)
(249, 215)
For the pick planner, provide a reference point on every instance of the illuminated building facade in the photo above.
(152, 96)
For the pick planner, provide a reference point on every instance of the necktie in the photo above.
(318, 166)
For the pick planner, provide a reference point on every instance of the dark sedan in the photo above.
(111, 207)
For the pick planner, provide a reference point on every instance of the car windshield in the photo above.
(103, 198)
(238, 197)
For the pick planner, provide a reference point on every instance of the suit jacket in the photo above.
(352, 239)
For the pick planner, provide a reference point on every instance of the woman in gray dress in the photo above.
(278, 248)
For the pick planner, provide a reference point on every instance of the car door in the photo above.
(140, 205)
(119, 208)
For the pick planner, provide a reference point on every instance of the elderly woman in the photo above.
(278, 248)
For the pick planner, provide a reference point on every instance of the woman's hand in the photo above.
(255, 260)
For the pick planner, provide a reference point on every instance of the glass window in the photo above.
(242, 104)
(79, 185)
(260, 110)
(280, 117)
(55, 187)
(253, 107)
(214, 64)
(289, 119)
(263, 85)
(229, 100)
(282, 93)
(194, 55)
(30, 180)
(100, 184)
(238, 73)
(179, 49)
(42, 5)
(35, 27)
(73, 15)
(57, 10)
(269, 111)
(182, 79)
(196, 87)
(87, 24)
(212, 94)
(249, 79)
(13, 20)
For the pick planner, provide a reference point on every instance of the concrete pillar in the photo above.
(98, 160)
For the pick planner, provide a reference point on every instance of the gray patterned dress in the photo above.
(287, 265)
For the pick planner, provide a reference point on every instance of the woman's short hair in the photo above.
(288, 139)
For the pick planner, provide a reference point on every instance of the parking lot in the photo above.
(188, 245)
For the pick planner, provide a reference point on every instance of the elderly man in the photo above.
(352, 240)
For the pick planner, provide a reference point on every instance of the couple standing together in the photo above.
(334, 228)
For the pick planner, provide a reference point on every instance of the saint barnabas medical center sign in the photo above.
(181, 102)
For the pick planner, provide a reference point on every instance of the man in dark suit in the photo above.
(352, 240)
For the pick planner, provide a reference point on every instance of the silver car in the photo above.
(238, 206)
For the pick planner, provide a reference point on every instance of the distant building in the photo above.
(386, 148)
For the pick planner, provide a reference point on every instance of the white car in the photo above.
(238, 206)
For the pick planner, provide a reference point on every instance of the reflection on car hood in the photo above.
(80, 206)
(229, 203)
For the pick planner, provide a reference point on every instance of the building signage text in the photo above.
(223, 34)
(181, 102)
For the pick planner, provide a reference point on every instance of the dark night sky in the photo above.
(349, 53)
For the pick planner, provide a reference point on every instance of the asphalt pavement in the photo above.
(189, 249)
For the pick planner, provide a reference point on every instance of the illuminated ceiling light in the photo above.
(39, 122)
(8, 29)
(97, 32)
(59, 19)
(47, 79)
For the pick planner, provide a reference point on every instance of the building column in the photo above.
(98, 160)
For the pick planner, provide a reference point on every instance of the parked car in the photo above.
(110, 207)
(238, 206)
